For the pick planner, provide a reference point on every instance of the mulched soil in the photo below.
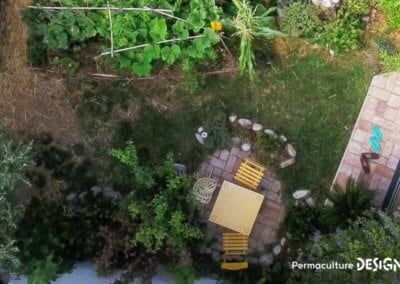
(31, 101)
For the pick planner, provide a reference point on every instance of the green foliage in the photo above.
(392, 10)
(165, 217)
(146, 29)
(285, 3)
(67, 63)
(301, 222)
(300, 19)
(128, 157)
(218, 132)
(182, 274)
(251, 24)
(359, 7)
(384, 45)
(342, 33)
(44, 271)
(348, 204)
(14, 162)
(373, 235)
(390, 62)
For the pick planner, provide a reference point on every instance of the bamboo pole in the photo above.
(146, 44)
(101, 8)
(111, 28)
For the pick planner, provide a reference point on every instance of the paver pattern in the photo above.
(223, 166)
(382, 108)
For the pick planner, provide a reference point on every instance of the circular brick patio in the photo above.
(223, 165)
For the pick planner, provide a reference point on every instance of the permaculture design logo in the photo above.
(372, 264)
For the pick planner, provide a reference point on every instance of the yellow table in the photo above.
(236, 208)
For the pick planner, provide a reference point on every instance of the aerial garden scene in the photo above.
(199, 141)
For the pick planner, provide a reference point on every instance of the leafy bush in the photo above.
(390, 62)
(375, 234)
(348, 204)
(392, 10)
(286, 3)
(166, 213)
(342, 33)
(301, 222)
(182, 274)
(300, 19)
(359, 7)
(44, 272)
(14, 162)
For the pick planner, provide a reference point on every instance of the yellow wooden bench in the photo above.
(250, 174)
(234, 244)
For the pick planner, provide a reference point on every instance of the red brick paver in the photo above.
(224, 165)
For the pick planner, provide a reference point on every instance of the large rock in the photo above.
(269, 132)
(246, 123)
(199, 138)
(266, 259)
(236, 140)
(95, 190)
(232, 118)
(287, 163)
(246, 147)
(326, 4)
(310, 202)
(277, 249)
(291, 151)
(257, 127)
(301, 194)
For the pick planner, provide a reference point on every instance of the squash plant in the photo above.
(66, 29)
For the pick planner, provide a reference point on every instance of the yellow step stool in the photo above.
(250, 174)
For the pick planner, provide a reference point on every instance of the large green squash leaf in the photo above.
(158, 29)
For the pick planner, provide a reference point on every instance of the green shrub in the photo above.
(358, 7)
(385, 45)
(286, 3)
(342, 33)
(300, 19)
(68, 64)
(14, 162)
(182, 274)
(348, 204)
(44, 271)
(373, 234)
(166, 213)
(392, 10)
(301, 222)
(390, 62)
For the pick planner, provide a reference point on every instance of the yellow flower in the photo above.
(216, 26)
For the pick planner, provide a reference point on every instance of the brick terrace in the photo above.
(224, 165)
(382, 108)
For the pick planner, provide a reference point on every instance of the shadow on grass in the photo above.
(311, 101)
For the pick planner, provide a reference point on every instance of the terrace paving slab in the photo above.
(382, 108)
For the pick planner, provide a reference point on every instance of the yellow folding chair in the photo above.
(234, 244)
(250, 174)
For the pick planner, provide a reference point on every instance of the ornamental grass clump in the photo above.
(249, 25)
